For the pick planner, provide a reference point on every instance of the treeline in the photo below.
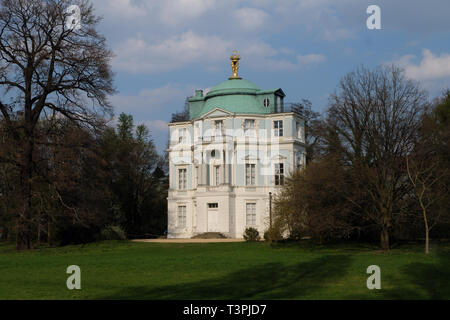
(378, 165)
(87, 185)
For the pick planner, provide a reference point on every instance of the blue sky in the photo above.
(165, 49)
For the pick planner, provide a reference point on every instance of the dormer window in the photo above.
(279, 104)
(266, 102)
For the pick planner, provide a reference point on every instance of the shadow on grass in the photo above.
(266, 281)
(432, 280)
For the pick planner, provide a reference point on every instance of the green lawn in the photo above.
(127, 270)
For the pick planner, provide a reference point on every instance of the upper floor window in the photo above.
(197, 132)
(278, 128)
(217, 175)
(279, 174)
(213, 205)
(249, 127)
(182, 133)
(219, 128)
(299, 131)
(250, 173)
(182, 179)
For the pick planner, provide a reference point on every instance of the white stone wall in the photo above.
(231, 195)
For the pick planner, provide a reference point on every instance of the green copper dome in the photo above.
(235, 95)
(233, 86)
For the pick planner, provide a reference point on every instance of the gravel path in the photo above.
(188, 240)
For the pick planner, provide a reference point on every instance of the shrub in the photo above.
(113, 233)
(251, 234)
(273, 234)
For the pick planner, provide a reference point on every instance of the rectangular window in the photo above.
(251, 214)
(279, 174)
(217, 175)
(219, 128)
(182, 133)
(250, 172)
(249, 127)
(182, 179)
(181, 216)
(299, 161)
(300, 131)
(213, 205)
(197, 132)
(278, 128)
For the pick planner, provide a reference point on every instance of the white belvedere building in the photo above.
(236, 149)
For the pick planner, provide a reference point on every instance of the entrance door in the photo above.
(213, 217)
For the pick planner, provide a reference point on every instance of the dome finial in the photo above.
(235, 64)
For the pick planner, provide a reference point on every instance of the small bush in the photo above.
(113, 233)
(251, 234)
(273, 235)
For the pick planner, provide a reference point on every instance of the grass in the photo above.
(128, 270)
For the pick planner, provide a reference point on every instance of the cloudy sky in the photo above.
(165, 49)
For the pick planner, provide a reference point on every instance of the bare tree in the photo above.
(52, 63)
(312, 127)
(372, 122)
(424, 173)
(427, 166)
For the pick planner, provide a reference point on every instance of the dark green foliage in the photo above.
(111, 232)
(86, 181)
(251, 234)
(138, 185)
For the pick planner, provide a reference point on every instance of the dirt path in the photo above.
(188, 240)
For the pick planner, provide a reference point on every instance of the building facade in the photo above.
(237, 147)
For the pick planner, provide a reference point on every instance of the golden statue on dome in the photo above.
(235, 64)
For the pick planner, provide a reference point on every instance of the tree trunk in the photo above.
(385, 239)
(39, 232)
(427, 229)
(48, 233)
(24, 221)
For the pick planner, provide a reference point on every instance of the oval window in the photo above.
(266, 102)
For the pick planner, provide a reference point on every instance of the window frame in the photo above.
(182, 135)
(279, 174)
(219, 131)
(182, 179)
(216, 175)
(249, 131)
(250, 217)
(252, 174)
(278, 128)
(181, 216)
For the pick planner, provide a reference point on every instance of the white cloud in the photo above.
(310, 59)
(121, 8)
(265, 57)
(148, 100)
(250, 18)
(431, 67)
(137, 55)
(176, 12)
(336, 34)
